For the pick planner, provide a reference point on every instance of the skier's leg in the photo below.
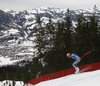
(75, 66)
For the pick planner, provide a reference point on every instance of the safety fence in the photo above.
(94, 66)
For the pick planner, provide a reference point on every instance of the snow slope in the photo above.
(82, 79)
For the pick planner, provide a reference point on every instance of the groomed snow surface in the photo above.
(82, 79)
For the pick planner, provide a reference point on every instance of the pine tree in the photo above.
(67, 38)
(35, 68)
(40, 41)
(50, 31)
(58, 47)
(7, 75)
(78, 35)
(68, 32)
(16, 75)
(50, 53)
(94, 36)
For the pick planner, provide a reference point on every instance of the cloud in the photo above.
(25, 4)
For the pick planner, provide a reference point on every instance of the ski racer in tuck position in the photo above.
(77, 60)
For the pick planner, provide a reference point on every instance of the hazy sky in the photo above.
(19, 5)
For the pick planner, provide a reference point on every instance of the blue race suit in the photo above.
(77, 60)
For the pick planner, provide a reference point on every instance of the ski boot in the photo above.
(77, 70)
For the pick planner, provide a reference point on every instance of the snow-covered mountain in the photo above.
(25, 20)
(17, 29)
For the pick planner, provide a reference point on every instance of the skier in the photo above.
(77, 60)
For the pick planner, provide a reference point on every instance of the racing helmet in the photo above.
(68, 55)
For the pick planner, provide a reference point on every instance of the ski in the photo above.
(81, 71)
(85, 69)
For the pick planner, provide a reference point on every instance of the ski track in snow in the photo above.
(77, 80)
(82, 79)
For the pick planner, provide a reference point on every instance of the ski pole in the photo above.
(87, 53)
